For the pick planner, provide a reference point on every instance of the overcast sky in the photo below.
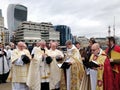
(89, 18)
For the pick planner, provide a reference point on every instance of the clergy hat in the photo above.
(25, 59)
(48, 59)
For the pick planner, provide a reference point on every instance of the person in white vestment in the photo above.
(97, 73)
(9, 50)
(41, 68)
(34, 48)
(12, 47)
(4, 67)
(45, 76)
(44, 67)
(20, 64)
(73, 72)
(57, 57)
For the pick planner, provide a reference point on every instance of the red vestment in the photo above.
(108, 76)
(116, 68)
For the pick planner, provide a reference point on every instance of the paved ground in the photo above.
(6, 86)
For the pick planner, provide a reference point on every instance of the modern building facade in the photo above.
(2, 39)
(30, 32)
(16, 14)
(4, 33)
(1, 19)
(65, 33)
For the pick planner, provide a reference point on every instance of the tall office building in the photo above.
(1, 19)
(65, 33)
(30, 32)
(0, 12)
(16, 14)
(1, 27)
(4, 37)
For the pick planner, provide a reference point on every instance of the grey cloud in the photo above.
(77, 14)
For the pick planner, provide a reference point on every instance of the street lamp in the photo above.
(109, 31)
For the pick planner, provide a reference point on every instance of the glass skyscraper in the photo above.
(65, 33)
(16, 14)
(0, 13)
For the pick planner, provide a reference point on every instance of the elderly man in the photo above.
(72, 75)
(57, 57)
(100, 73)
(20, 63)
(39, 80)
(47, 73)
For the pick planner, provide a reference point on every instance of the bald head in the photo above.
(95, 45)
(95, 48)
(53, 45)
(21, 45)
(42, 44)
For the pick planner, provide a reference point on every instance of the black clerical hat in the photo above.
(48, 59)
(25, 59)
(58, 58)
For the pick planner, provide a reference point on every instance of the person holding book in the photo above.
(72, 75)
(88, 51)
(100, 73)
(113, 52)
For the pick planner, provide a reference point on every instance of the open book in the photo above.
(92, 64)
(64, 65)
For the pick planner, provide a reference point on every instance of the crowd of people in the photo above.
(48, 68)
